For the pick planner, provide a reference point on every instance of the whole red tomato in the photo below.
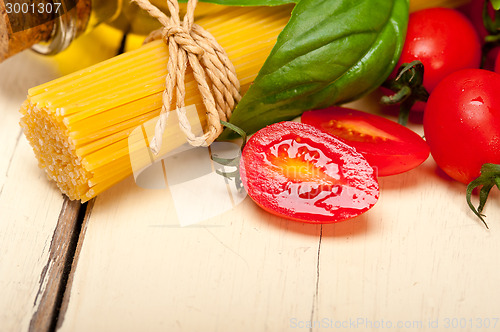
(462, 123)
(444, 40)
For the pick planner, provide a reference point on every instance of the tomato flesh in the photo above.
(296, 171)
(388, 147)
(462, 123)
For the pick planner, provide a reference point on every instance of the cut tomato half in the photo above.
(296, 171)
(388, 146)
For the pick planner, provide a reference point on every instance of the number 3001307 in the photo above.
(32, 8)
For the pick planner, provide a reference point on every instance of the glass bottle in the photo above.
(49, 26)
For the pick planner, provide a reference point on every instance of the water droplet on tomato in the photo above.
(477, 101)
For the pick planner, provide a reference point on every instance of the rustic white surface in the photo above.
(418, 260)
(29, 204)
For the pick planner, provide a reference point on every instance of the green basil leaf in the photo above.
(248, 2)
(496, 4)
(330, 52)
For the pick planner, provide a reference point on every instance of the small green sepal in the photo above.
(490, 177)
(408, 89)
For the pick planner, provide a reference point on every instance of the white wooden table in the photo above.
(419, 260)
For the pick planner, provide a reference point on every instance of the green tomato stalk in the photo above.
(408, 88)
(490, 176)
(232, 162)
(492, 26)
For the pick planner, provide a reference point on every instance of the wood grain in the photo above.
(59, 316)
(418, 257)
(29, 205)
(57, 268)
(140, 267)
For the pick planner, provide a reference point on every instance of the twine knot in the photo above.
(183, 38)
(188, 43)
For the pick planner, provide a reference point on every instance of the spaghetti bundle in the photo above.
(79, 125)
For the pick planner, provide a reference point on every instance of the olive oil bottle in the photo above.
(50, 26)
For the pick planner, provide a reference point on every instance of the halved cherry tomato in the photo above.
(296, 171)
(388, 146)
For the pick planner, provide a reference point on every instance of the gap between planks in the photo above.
(65, 296)
(315, 295)
(54, 277)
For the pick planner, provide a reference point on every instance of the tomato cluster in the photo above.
(462, 114)
(325, 169)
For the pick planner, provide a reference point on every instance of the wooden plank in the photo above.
(57, 268)
(29, 205)
(146, 273)
(74, 263)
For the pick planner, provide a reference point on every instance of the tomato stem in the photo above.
(495, 4)
(408, 89)
(398, 97)
(404, 111)
(492, 26)
(232, 162)
(237, 130)
(492, 39)
(490, 177)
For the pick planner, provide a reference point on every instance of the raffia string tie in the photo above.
(188, 43)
